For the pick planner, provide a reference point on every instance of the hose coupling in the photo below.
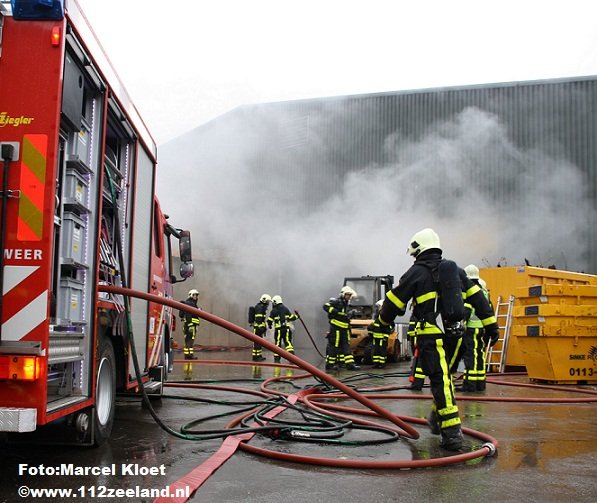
(491, 448)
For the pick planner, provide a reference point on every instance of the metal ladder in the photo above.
(495, 355)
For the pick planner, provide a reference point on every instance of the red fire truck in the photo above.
(78, 211)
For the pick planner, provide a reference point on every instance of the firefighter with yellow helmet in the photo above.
(280, 318)
(257, 319)
(379, 334)
(419, 283)
(474, 342)
(190, 324)
(338, 347)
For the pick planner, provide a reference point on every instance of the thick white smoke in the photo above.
(489, 200)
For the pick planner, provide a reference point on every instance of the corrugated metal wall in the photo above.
(557, 118)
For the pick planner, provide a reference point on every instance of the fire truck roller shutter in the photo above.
(138, 248)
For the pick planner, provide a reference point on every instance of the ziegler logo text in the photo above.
(7, 120)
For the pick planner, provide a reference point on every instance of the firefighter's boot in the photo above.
(352, 366)
(468, 386)
(481, 385)
(276, 359)
(451, 438)
(433, 420)
(416, 383)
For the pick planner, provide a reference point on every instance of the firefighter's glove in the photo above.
(493, 334)
(371, 327)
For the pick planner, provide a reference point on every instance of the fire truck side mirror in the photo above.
(186, 270)
(184, 244)
(186, 256)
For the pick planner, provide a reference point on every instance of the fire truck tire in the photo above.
(168, 356)
(105, 393)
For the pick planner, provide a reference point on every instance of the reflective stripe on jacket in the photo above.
(337, 309)
(279, 316)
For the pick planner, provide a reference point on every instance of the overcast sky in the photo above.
(186, 62)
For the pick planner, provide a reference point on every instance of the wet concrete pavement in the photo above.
(547, 451)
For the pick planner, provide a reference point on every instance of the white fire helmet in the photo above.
(347, 290)
(265, 298)
(193, 292)
(425, 239)
(276, 299)
(472, 271)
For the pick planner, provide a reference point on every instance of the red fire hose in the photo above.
(407, 430)
(197, 477)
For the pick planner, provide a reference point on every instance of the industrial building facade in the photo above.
(518, 145)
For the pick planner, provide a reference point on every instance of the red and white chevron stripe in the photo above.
(25, 304)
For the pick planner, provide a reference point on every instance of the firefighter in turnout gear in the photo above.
(418, 283)
(190, 324)
(281, 319)
(338, 346)
(473, 344)
(257, 318)
(379, 334)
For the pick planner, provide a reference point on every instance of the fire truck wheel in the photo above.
(168, 356)
(105, 393)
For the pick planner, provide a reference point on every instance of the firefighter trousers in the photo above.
(338, 347)
(435, 364)
(283, 339)
(474, 360)
(454, 350)
(379, 353)
(189, 330)
(257, 349)
(417, 377)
